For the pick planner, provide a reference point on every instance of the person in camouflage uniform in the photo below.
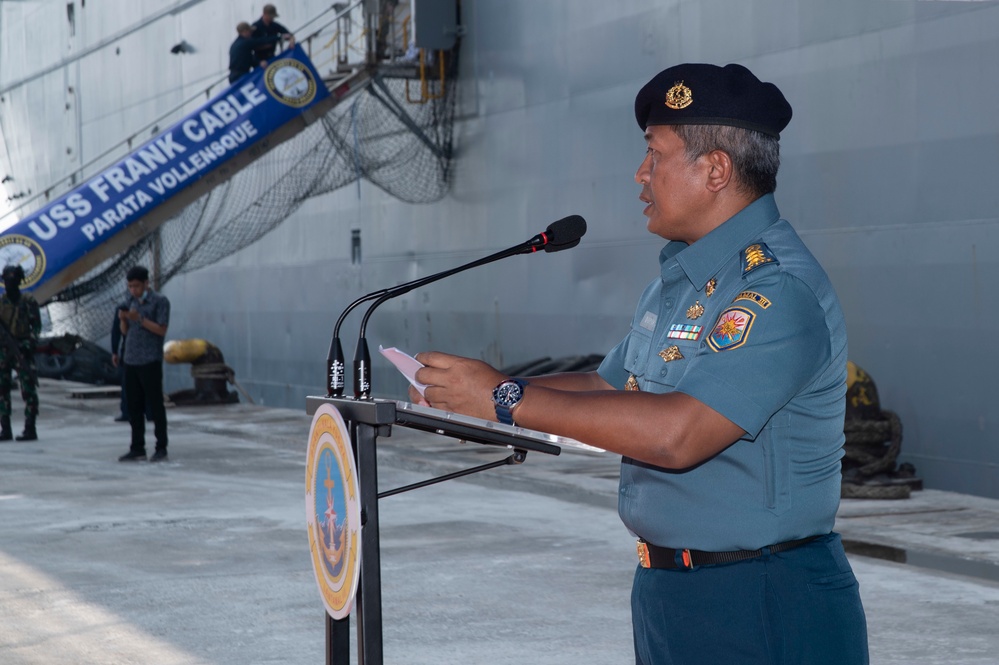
(20, 326)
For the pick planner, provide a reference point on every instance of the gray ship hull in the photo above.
(888, 170)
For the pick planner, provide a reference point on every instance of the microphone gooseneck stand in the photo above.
(362, 358)
(562, 234)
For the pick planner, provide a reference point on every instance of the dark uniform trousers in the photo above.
(799, 607)
(144, 391)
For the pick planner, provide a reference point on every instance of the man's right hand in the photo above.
(461, 385)
(416, 398)
(114, 359)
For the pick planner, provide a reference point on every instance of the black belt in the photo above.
(653, 556)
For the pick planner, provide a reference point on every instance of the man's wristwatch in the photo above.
(506, 396)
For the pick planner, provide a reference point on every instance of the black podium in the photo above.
(367, 419)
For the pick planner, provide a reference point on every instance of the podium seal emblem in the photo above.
(332, 511)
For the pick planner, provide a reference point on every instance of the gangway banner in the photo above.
(52, 238)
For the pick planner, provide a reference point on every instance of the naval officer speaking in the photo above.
(725, 398)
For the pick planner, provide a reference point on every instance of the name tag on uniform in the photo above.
(649, 321)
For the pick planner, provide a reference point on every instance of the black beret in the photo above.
(699, 94)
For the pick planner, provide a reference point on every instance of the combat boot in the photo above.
(29, 433)
(5, 433)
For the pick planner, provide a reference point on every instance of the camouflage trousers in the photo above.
(27, 377)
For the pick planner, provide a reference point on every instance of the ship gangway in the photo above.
(390, 52)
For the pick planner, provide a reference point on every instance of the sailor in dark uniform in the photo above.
(266, 26)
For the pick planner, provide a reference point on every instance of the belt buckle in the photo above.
(643, 554)
(688, 563)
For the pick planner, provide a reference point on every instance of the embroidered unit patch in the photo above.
(732, 329)
(684, 331)
(760, 300)
(756, 255)
(670, 353)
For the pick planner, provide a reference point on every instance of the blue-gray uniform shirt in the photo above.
(141, 346)
(746, 321)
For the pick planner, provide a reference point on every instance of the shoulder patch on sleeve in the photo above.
(732, 329)
(756, 255)
(753, 296)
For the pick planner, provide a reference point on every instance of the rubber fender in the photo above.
(184, 350)
(862, 400)
(53, 366)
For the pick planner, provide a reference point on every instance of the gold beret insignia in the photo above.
(679, 96)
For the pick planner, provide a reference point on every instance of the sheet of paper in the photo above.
(405, 363)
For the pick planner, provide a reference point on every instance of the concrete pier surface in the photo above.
(204, 559)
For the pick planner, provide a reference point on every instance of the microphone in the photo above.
(563, 234)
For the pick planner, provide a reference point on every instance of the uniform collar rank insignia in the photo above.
(710, 287)
(756, 255)
(632, 383)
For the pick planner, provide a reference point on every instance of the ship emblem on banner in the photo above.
(290, 82)
(332, 510)
(18, 250)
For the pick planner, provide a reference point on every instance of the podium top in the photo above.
(405, 412)
(454, 425)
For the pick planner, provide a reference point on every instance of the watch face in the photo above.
(507, 394)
